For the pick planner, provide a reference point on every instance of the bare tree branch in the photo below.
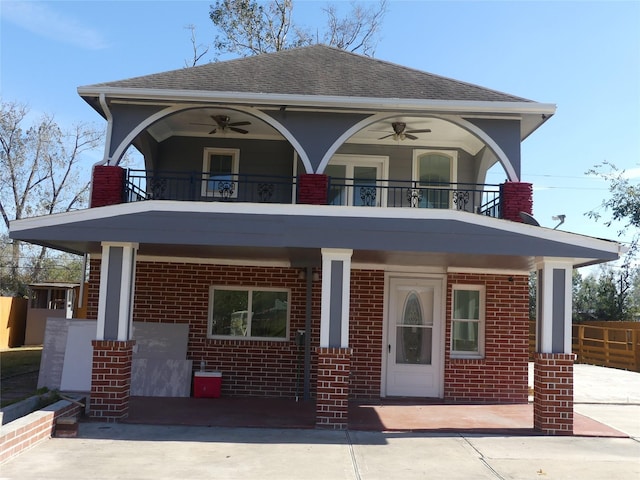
(247, 27)
(199, 50)
(43, 166)
(357, 30)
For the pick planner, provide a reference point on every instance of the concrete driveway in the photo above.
(161, 452)
(123, 451)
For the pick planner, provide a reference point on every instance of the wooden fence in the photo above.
(13, 318)
(608, 344)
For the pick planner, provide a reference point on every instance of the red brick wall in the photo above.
(553, 387)
(365, 332)
(111, 379)
(179, 293)
(93, 289)
(26, 432)
(107, 186)
(313, 188)
(516, 197)
(502, 375)
(332, 403)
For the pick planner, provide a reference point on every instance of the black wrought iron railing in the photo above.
(196, 186)
(471, 197)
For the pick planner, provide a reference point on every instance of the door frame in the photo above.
(380, 162)
(442, 278)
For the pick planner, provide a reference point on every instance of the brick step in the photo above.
(66, 427)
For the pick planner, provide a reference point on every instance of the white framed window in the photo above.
(357, 180)
(434, 172)
(248, 313)
(220, 167)
(467, 321)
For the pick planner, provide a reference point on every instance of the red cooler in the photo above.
(207, 384)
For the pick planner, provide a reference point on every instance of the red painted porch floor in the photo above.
(380, 415)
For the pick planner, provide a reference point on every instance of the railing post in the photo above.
(313, 189)
(192, 192)
(107, 185)
(635, 339)
(516, 197)
(581, 343)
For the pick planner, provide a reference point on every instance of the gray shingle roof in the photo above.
(316, 70)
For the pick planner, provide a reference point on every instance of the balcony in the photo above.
(140, 185)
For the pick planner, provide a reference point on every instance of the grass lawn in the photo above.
(18, 373)
(15, 361)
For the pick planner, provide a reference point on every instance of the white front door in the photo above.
(414, 326)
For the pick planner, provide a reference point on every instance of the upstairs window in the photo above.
(467, 322)
(220, 173)
(434, 173)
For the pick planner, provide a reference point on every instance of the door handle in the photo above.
(389, 348)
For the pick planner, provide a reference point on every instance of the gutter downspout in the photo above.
(82, 280)
(107, 144)
(307, 336)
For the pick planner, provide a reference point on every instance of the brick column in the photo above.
(313, 188)
(107, 185)
(553, 393)
(332, 402)
(516, 197)
(111, 379)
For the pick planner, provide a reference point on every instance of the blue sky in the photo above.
(582, 56)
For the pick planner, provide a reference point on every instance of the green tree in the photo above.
(607, 295)
(585, 298)
(616, 288)
(40, 164)
(249, 27)
(623, 204)
(634, 296)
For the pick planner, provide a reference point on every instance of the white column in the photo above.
(336, 283)
(554, 306)
(117, 283)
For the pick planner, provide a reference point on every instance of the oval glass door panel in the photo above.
(414, 333)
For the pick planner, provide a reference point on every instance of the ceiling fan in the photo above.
(400, 132)
(223, 123)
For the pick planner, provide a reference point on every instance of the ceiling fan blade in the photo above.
(239, 130)
(408, 135)
(387, 136)
(239, 124)
(213, 131)
(424, 130)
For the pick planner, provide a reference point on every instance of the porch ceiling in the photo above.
(296, 233)
(200, 123)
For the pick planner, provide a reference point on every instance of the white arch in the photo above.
(470, 127)
(124, 144)
(304, 158)
(466, 125)
(348, 133)
(482, 135)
